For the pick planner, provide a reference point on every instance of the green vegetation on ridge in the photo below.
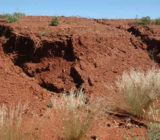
(148, 21)
(10, 18)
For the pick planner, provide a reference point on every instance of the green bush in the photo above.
(9, 18)
(19, 15)
(145, 21)
(157, 21)
(55, 21)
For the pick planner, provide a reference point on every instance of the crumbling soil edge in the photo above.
(152, 44)
(22, 49)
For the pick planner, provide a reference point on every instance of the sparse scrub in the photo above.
(11, 123)
(9, 18)
(75, 115)
(153, 131)
(2, 16)
(145, 21)
(140, 92)
(55, 21)
(157, 21)
(19, 15)
(45, 32)
(131, 135)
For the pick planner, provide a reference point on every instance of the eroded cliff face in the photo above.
(38, 60)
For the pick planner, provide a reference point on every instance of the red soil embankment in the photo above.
(38, 60)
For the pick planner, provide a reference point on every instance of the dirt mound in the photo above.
(78, 53)
(38, 60)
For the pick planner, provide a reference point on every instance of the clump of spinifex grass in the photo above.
(11, 123)
(153, 131)
(75, 115)
(140, 91)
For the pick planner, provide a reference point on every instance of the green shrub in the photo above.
(145, 21)
(55, 21)
(13, 17)
(19, 15)
(157, 21)
(140, 91)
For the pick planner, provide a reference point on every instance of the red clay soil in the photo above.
(38, 60)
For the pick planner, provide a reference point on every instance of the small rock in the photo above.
(63, 70)
(94, 138)
(109, 125)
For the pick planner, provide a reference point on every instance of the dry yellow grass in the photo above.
(11, 123)
(140, 91)
(75, 116)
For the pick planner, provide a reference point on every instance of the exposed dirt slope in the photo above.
(38, 60)
(17, 87)
(78, 53)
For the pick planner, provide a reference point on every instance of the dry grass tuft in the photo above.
(153, 131)
(140, 91)
(11, 123)
(75, 115)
